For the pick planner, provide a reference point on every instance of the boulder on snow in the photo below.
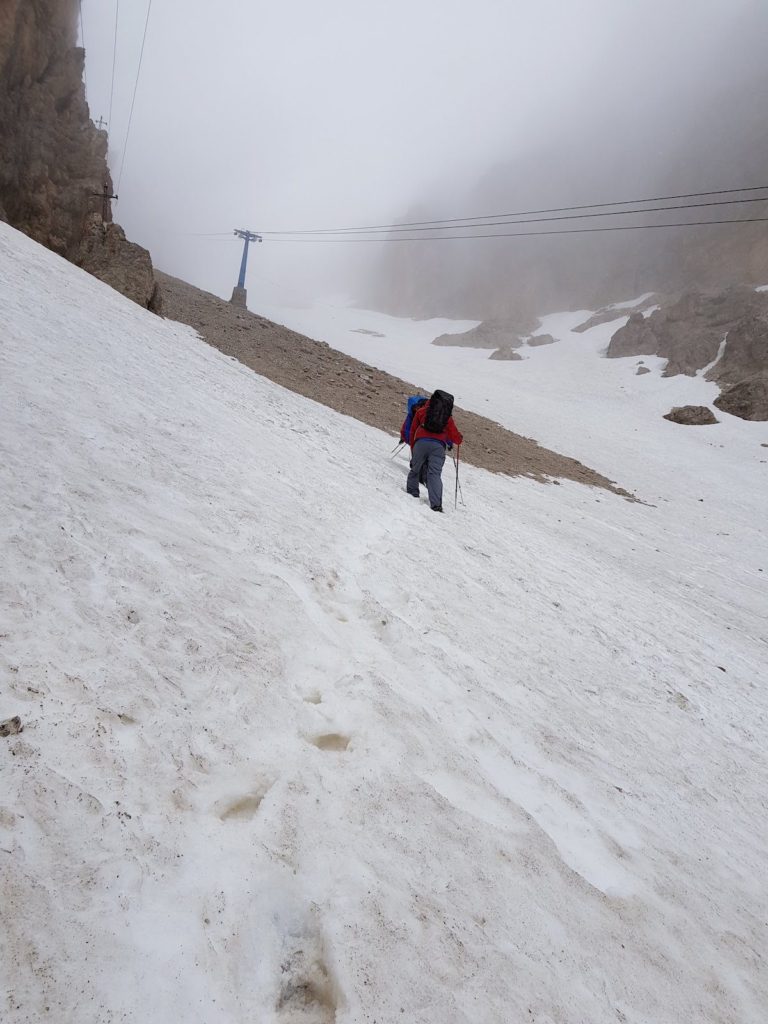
(541, 339)
(641, 369)
(691, 415)
(505, 353)
(748, 399)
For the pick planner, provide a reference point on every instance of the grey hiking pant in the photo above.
(429, 454)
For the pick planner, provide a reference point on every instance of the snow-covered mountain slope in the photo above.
(296, 749)
(567, 395)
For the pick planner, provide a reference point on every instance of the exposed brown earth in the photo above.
(315, 370)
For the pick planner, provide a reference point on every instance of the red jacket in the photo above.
(449, 436)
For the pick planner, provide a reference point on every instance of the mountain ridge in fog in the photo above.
(710, 135)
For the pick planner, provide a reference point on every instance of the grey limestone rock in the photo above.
(689, 332)
(746, 350)
(691, 415)
(748, 399)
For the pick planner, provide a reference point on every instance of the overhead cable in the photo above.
(529, 220)
(524, 234)
(521, 213)
(114, 61)
(82, 40)
(133, 100)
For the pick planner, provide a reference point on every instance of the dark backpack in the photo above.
(438, 412)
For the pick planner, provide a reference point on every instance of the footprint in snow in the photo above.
(245, 806)
(331, 741)
(307, 992)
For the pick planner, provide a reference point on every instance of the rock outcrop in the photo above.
(689, 332)
(636, 338)
(541, 339)
(691, 415)
(124, 265)
(748, 399)
(53, 164)
(51, 156)
(609, 313)
(491, 334)
(746, 351)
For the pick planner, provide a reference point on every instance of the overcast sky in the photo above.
(314, 113)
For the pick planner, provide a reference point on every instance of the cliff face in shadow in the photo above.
(53, 160)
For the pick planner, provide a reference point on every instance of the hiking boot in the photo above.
(436, 508)
(412, 494)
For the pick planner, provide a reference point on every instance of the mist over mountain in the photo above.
(654, 127)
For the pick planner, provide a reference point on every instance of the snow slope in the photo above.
(566, 395)
(296, 749)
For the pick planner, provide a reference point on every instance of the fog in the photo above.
(304, 115)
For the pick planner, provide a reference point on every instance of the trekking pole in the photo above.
(458, 481)
(456, 492)
(397, 449)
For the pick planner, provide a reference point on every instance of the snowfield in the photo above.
(298, 751)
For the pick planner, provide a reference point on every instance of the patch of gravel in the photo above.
(315, 370)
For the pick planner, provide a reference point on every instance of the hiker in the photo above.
(414, 402)
(432, 431)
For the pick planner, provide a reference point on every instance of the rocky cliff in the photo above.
(53, 160)
(689, 331)
(725, 333)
